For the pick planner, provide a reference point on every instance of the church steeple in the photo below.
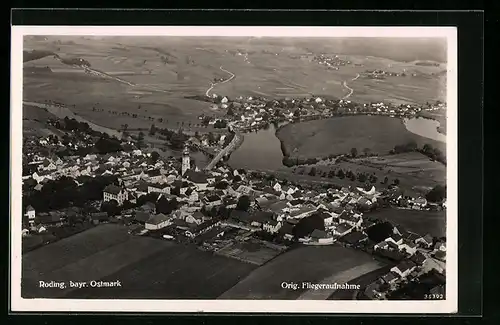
(186, 161)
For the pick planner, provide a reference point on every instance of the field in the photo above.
(363, 281)
(420, 222)
(147, 267)
(314, 264)
(163, 71)
(252, 252)
(338, 135)
(416, 172)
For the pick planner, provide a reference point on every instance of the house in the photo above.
(418, 258)
(342, 229)
(199, 179)
(355, 238)
(195, 218)
(260, 218)
(277, 187)
(425, 241)
(158, 221)
(302, 212)
(99, 217)
(159, 188)
(327, 218)
(47, 165)
(40, 176)
(404, 268)
(396, 239)
(230, 202)
(350, 219)
(272, 226)
(192, 195)
(391, 277)
(155, 176)
(419, 203)
(30, 213)
(212, 200)
(372, 291)
(113, 192)
(52, 218)
(408, 246)
(440, 255)
(202, 228)
(321, 237)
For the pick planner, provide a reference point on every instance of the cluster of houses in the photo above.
(253, 113)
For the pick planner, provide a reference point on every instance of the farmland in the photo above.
(254, 252)
(162, 76)
(304, 264)
(416, 172)
(420, 222)
(147, 267)
(338, 135)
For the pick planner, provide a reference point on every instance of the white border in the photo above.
(450, 305)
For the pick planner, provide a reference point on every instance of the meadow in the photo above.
(416, 172)
(317, 264)
(320, 138)
(420, 222)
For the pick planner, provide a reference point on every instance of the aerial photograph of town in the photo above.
(274, 168)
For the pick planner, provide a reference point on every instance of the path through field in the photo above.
(207, 93)
(350, 89)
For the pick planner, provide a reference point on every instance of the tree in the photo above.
(243, 203)
(362, 177)
(366, 151)
(140, 137)
(152, 130)
(354, 152)
(312, 172)
(386, 180)
(396, 181)
(380, 231)
(340, 174)
(436, 194)
(154, 157)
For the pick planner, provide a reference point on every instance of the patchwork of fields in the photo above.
(146, 267)
(315, 264)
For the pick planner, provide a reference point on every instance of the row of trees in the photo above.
(427, 149)
(342, 174)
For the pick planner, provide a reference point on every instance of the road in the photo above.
(212, 85)
(350, 89)
(226, 150)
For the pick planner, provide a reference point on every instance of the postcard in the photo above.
(242, 169)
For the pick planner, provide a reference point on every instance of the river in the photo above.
(424, 127)
(259, 150)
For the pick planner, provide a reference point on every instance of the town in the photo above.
(88, 178)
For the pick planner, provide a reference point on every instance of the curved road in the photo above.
(350, 89)
(207, 93)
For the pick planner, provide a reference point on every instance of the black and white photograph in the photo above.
(264, 169)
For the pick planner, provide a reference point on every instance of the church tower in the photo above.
(186, 163)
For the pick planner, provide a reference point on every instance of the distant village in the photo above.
(67, 190)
